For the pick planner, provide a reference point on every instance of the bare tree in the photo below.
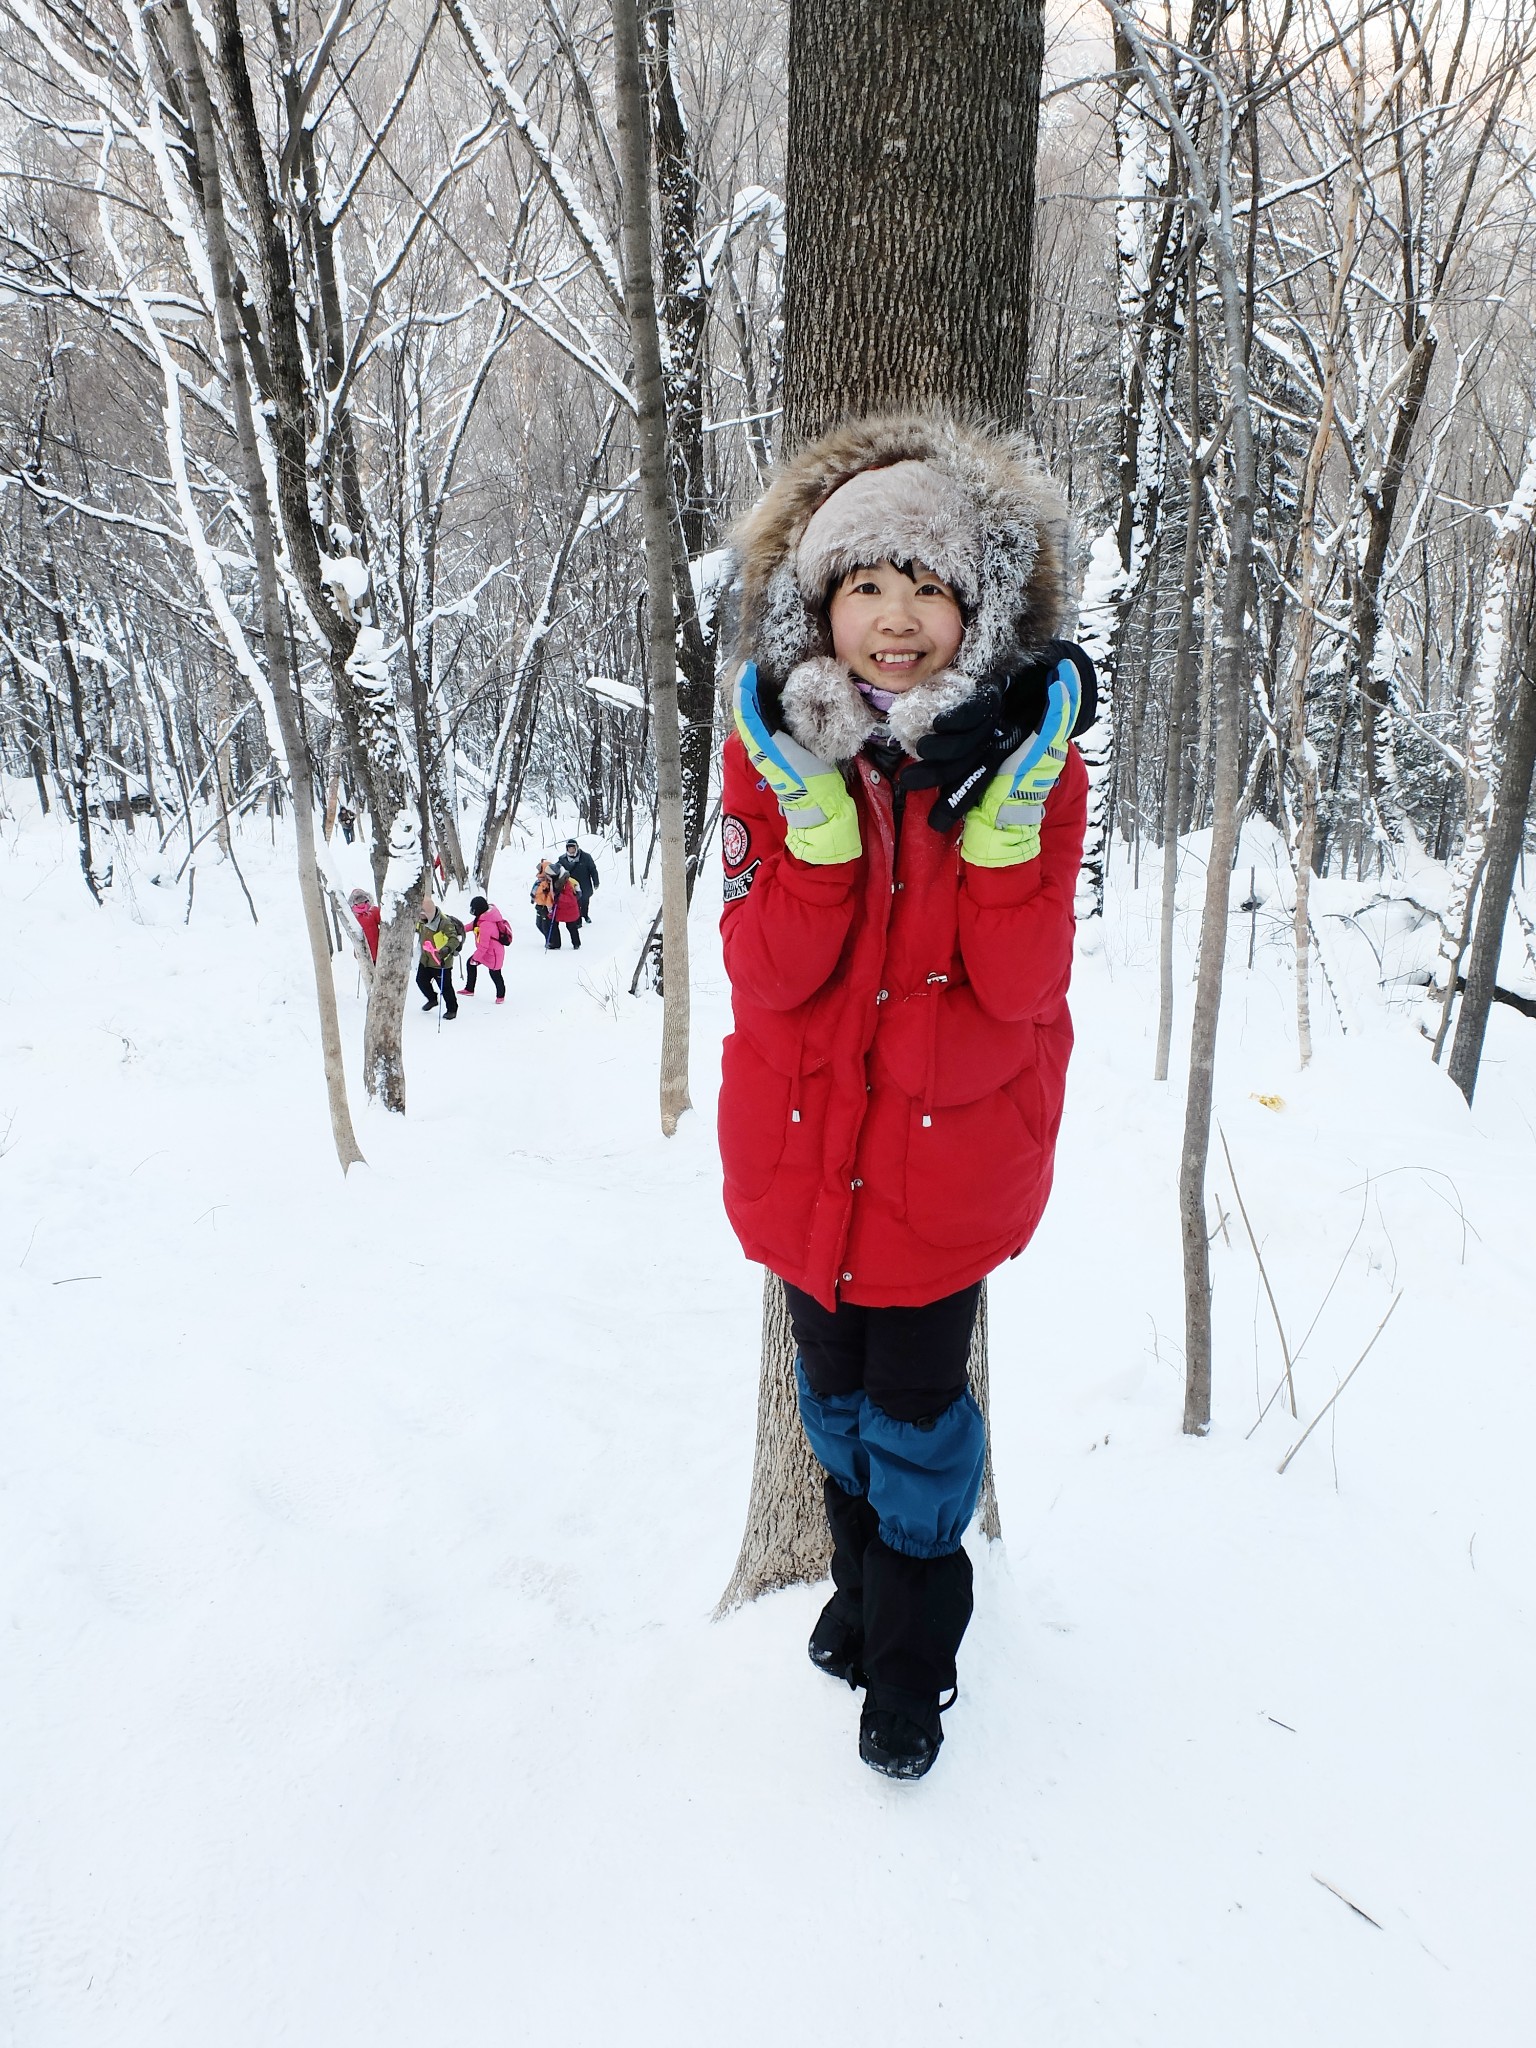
(279, 674)
(1211, 198)
(1510, 628)
(655, 493)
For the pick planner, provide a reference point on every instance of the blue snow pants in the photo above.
(888, 1411)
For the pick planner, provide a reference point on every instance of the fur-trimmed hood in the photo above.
(1014, 589)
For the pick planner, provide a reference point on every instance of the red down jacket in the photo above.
(892, 1090)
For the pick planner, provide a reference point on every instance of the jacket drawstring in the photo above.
(936, 985)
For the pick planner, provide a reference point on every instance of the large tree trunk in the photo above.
(263, 539)
(655, 494)
(911, 195)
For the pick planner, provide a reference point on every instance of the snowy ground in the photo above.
(361, 1538)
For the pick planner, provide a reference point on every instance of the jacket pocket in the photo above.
(973, 1168)
(753, 1118)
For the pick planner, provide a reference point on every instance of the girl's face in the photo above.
(894, 628)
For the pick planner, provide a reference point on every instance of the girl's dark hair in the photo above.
(907, 569)
(478, 906)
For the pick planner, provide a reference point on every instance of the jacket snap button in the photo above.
(882, 995)
(847, 1276)
(874, 776)
(855, 1183)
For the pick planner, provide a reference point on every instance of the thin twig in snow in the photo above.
(1327, 1887)
(1274, 1306)
(1459, 1212)
(1343, 1383)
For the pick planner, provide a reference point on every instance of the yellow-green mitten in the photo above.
(1004, 828)
(817, 804)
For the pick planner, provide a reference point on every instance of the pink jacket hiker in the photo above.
(489, 951)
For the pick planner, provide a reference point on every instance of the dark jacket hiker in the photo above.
(582, 869)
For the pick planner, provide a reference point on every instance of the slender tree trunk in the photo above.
(32, 732)
(80, 758)
(1505, 837)
(655, 492)
(1303, 760)
(264, 546)
(1502, 593)
(1180, 694)
(685, 319)
(1214, 212)
(911, 195)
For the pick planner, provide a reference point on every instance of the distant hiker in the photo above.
(902, 823)
(542, 897)
(441, 937)
(368, 915)
(347, 820)
(556, 903)
(493, 935)
(567, 910)
(582, 869)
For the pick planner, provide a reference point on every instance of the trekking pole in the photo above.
(442, 994)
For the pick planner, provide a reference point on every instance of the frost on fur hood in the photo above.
(981, 513)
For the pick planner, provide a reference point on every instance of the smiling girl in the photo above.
(903, 827)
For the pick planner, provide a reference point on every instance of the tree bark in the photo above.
(1505, 838)
(656, 510)
(1227, 688)
(1180, 692)
(1214, 214)
(264, 547)
(685, 318)
(1508, 570)
(911, 194)
(80, 758)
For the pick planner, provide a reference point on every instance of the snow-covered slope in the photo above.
(361, 1538)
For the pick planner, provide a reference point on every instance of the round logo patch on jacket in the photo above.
(735, 841)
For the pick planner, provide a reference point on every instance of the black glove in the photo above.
(969, 744)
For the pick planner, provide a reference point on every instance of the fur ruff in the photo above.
(1020, 598)
(825, 710)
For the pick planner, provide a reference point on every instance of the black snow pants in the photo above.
(886, 1402)
(434, 980)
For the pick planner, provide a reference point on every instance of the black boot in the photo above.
(837, 1640)
(915, 1613)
